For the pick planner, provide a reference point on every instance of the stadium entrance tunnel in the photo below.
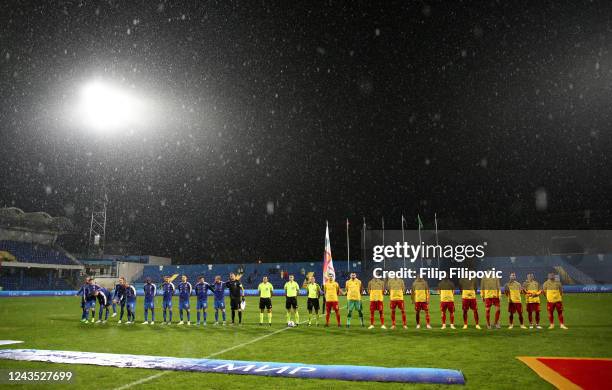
(239, 367)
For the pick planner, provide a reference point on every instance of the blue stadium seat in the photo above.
(35, 253)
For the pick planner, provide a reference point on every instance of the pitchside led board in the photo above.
(575, 256)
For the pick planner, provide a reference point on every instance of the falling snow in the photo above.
(253, 125)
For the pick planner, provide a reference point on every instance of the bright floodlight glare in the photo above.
(106, 108)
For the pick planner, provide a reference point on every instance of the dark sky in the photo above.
(271, 117)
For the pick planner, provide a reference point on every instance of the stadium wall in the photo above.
(158, 260)
(130, 271)
(106, 281)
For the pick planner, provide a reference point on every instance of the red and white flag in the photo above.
(328, 264)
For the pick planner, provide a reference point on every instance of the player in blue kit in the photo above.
(149, 301)
(119, 296)
(219, 292)
(185, 290)
(104, 299)
(130, 303)
(168, 291)
(115, 294)
(82, 293)
(201, 292)
(89, 291)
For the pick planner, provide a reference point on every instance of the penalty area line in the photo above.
(159, 374)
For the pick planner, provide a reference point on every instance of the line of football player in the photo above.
(490, 291)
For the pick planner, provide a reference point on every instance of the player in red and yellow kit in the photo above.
(396, 289)
(468, 301)
(532, 296)
(447, 301)
(332, 290)
(554, 296)
(375, 289)
(420, 298)
(490, 291)
(513, 290)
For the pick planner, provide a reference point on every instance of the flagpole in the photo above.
(383, 238)
(348, 248)
(403, 241)
(325, 251)
(420, 240)
(436, 222)
(363, 267)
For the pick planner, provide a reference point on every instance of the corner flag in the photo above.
(328, 264)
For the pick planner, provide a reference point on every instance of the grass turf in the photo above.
(486, 357)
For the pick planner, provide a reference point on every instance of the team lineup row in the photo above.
(490, 291)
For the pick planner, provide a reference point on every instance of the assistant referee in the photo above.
(265, 289)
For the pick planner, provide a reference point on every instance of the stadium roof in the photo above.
(15, 218)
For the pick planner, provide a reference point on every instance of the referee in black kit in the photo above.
(236, 293)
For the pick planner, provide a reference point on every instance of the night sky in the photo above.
(269, 118)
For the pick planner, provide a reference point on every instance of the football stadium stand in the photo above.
(30, 259)
(590, 270)
(28, 252)
(540, 266)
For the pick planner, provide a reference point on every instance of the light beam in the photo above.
(105, 108)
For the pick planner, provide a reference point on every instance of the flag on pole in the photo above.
(420, 223)
(328, 264)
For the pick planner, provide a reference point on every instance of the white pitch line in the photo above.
(159, 374)
(9, 342)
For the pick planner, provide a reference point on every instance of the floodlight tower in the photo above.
(106, 109)
(97, 225)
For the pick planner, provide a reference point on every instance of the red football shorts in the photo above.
(450, 306)
(532, 307)
(515, 307)
(397, 304)
(421, 306)
(554, 305)
(329, 306)
(468, 303)
(376, 305)
(491, 302)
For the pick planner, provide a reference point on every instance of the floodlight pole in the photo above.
(97, 226)
(363, 245)
(348, 249)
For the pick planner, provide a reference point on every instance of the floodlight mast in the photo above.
(106, 110)
(97, 226)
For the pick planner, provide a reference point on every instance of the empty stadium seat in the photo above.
(36, 253)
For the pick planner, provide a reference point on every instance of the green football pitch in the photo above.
(486, 357)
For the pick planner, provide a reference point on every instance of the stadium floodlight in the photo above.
(106, 108)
